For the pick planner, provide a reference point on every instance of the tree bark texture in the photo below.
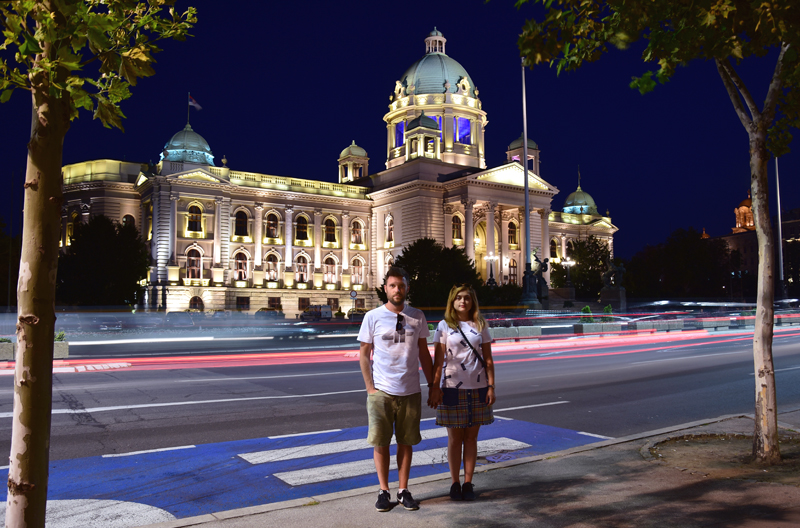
(30, 441)
(765, 437)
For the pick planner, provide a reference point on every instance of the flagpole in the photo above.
(529, 296)
(188, 106)
(781, 287)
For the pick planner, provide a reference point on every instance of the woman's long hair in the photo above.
(450, 314)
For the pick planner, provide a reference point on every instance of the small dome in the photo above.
(353, 150)
(517, 143)
(435, 33)
(580, 202)
(188, 146)
(431, 73)
(747, 202)
(422, 121)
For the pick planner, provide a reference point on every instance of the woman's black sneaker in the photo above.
(467, 492)
(384, 503)
(455, 491)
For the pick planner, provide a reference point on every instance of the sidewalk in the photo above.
(608, 484)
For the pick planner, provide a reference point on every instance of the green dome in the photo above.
(422, 121)
(517, 143)
(431, 72)
(580, 202)
(353, 150)
(435, 33)
(188, 146)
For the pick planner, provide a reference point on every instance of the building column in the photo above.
(545, 216)
(258, 237)
(447, 211)
(317, 239)
(469, 231)
(217, 231)
(490, 241)
(288, 235)
(173, 226)
(563, 246)
(345, 240)
(504, 251)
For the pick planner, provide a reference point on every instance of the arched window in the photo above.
(302, 228)
(390, 230)
(512, 233)
(128, 220)
(456, 228)
(330, 270)
(357, 275)
(241, 224)
(512, 271)
(570, 249)
(195, 219)
(272, 225)
(301, 275)
(356, 236)
(240, 271)
(196, 303)
(193, 266)
(272, 267)
(553, 249)
(330, 230)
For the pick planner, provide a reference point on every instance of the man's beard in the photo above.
(401, 302)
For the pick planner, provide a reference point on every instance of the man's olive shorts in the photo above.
(398, 414)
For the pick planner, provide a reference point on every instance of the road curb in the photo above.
(311, 501)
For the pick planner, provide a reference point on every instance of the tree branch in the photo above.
(739, 83)
(733, 94)
(771, 102)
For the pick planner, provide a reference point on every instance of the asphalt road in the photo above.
(610, 389)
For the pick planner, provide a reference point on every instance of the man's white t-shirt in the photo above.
(461, 369)
(395, 357)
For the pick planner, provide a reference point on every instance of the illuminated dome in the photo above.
(580, 202)
(747, 202)
(353, 150)
(188, 146)
(430, 74)
(517, 143)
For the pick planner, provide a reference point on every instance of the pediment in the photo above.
(141, 180)
(603, 224)
(513, 174)
(198, 175)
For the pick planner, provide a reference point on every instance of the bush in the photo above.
(589, 318)
(5, 340)
(60, 336)
(608, 310)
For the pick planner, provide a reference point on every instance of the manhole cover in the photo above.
(502, 457)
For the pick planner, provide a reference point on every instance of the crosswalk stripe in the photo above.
(364, 467)
(289, 453)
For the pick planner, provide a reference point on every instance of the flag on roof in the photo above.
(194, 103)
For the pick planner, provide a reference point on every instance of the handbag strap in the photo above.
(483, 363)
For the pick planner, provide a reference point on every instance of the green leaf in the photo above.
(6, 95)
(30, 46)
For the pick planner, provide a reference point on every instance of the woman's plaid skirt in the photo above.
(465, 408)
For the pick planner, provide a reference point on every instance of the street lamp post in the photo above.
(568, 262)
(491, 258)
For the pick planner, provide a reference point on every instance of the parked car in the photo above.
(68, 321)
(178, 320)
(317, 312)
(268, 313)
(356, 315)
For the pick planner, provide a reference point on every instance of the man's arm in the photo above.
(366, 370)
(434, 392)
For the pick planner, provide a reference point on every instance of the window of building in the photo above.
(128, 220)
(462, 130)
(272, 267)
(302, 228)
(301, 275)
(330, 230)
(330, 270)
(240, 269)
(356, 236)
(512, 271)
(272, 225)
(390, 230)
(570, 248)
(357, 275)
(553, 249)
(193, 270)
(456, 228)
(196, 303)
(303, 303)
(360, 304)
(195, 219)
(243, 304)
(512, 233)
(399, 134)
(274, 303)
(241, 224)
(333, 302)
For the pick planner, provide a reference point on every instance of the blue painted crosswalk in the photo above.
(192, 480)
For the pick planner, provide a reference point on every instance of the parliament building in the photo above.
(225, 239)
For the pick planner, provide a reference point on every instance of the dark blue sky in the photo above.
(286, 86)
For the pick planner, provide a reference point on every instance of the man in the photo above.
(398, 335)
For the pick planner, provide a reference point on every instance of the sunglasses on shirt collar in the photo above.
(399, 322)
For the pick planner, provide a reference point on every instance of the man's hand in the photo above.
(434, 397)
(373, 390)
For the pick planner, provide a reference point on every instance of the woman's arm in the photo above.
(486, 348)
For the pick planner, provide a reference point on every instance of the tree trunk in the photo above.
(765, 436)
(30, 436)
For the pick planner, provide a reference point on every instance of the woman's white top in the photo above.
(461, 368)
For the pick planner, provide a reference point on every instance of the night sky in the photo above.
(285, 86)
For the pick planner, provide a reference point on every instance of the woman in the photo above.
(464, 369)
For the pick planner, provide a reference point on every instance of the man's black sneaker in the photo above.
(404, 497)
(455, 491)
(384, 501)
(467, 492)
